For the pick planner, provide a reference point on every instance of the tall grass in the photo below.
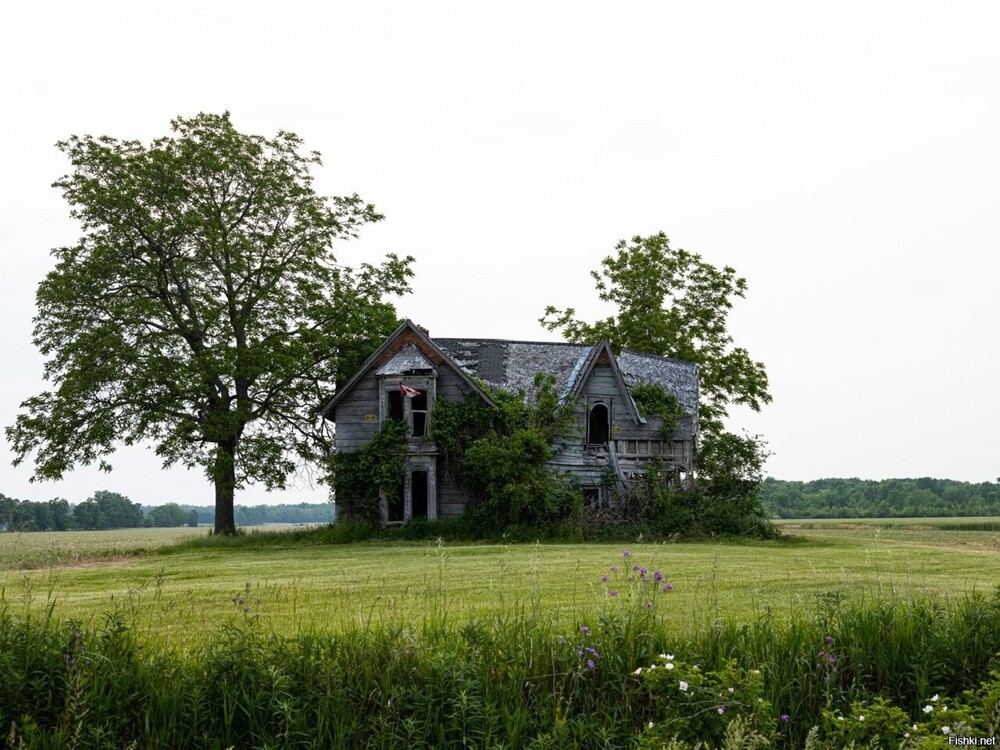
(512, 678)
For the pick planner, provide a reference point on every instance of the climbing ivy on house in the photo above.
(656, 401)
(502, 454)
(379, 467)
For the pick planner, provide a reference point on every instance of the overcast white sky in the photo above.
(843, 157)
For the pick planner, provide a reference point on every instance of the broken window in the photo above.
(395, 405)
(418, 415)
(419, 493)
(598, 425)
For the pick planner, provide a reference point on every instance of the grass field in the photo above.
(851, 630)
(177, 595)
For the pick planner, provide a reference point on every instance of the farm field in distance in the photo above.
(177, 597)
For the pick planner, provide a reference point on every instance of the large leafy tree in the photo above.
(673, 303)
(202, 310)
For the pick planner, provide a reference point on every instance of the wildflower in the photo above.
(943, 709)
(612, 593)
(604, 579)
(906, 735)
(649, 605)
(828, 640)
(650, 725)
(657, 575)
(934, 698)
(840, 718)
(785, 718)
(732, 690)
(683, 686)
(946, 730)
(580, 653)
(590, 664)
(861, 718)
(721, 710)
(668, 587)
(614, 568)
(928, 708)
(652, 666)
(638, 670)
(585, 630)
(668, 665)
(626, 553)
(642, 571)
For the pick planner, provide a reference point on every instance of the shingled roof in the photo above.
(511, 365)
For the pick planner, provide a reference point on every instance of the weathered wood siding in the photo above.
(354, 429)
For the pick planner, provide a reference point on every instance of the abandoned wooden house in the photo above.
(410, 372)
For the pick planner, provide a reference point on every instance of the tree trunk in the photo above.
(225, 487)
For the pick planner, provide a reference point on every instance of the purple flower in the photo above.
(612, 593)
(657, 575)
(649, 605)
(668, 587)
(642, 571)
(785, 718)
(828, 640)
(585, 630)
(626, 553)
(614, 568)
(604, 579)
(580, 653)
(590, 664)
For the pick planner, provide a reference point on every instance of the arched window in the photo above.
(598, 425)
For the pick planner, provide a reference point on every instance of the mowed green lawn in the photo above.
(183, 596)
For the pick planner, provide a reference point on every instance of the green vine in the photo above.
(655, 401)
(502, 454)
(360, 478)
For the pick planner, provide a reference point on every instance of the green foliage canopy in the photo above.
(202, 310)
(673, 303)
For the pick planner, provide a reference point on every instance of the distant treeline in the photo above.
(887, 498)
(110, 510)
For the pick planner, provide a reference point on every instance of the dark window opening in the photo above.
(419, 493)
(396, 405)
(418, 410)
(598, 426)
(591, 497)
(395, 514)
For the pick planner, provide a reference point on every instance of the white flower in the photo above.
(668, 665)
(732, 690)
(840, 718)
(935, 698)
(914, 727)
(928, 708)
(943, 709)
(652, 666)
(638, 670)
(946, 730)
(650, 725)
(721, 710)
(668, 657)
(683, 686)
(906, 735)
(861, 718)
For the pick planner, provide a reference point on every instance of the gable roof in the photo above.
(593, 359)
(418, 350)
(512, 365)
